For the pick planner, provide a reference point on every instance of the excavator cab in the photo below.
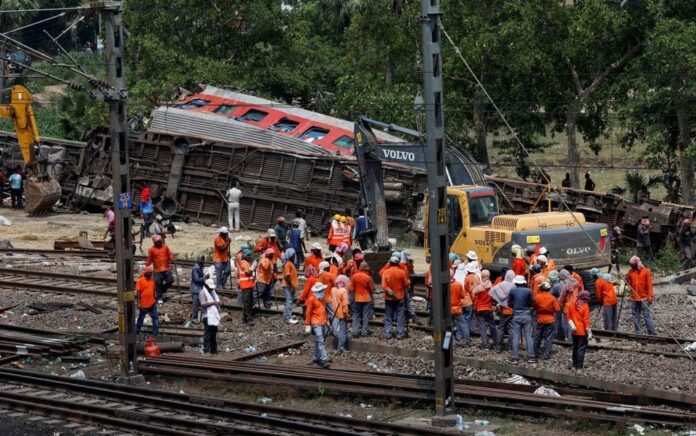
(41, 190)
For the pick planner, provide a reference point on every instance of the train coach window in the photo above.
(314, 134)
(252, 115)
(225, 109)
(285, 125)
(193, 104)
(345, 141)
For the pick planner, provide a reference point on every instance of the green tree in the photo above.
(658, 95)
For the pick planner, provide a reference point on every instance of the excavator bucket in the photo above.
(41, 195)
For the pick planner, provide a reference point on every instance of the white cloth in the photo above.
(211, 312)
(233, 216)
(302, 227)
(234, 195)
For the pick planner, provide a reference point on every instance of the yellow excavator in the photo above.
(41, 190)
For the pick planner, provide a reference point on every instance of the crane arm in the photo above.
(22, 113)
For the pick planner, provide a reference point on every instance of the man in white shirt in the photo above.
(303, 224)
(233, 196)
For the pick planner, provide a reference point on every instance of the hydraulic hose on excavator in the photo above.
(41, 190)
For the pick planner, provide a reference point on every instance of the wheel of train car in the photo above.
(168, 206)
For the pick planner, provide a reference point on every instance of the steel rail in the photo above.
(280, 418)
(411, 388)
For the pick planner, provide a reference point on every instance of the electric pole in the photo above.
(123, 199)
(437, 206)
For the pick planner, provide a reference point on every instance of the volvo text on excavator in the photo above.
(473, 216)
(41, 190)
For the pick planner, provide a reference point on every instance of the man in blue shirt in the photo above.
(361, 224)
(198, 278)
(296, 242)
(521, 302)
(16, 189)
(146, 211)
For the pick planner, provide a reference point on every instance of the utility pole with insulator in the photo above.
(438, 241)
(116, 96)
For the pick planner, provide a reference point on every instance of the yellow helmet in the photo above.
(337, 217)
(343, 219)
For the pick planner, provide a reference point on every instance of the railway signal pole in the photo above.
(437, 206)
(116, 96)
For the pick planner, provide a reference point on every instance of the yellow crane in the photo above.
(42, 191)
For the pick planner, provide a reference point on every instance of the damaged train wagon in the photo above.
(190, 159)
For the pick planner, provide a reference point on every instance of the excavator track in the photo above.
(41, 195)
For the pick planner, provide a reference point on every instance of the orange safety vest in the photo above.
(335, 233)
(246, 280)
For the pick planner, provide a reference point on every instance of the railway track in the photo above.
(153, 411)
(587, 406)
(87, 254)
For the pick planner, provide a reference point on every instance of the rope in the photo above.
(534, 163)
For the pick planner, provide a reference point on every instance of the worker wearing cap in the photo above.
(351, 267)
(315, 322)
(546, 307)
(335, 233)
(246, 287)
(686, 239)
(347, 230)
(387, 265)
(639, 278)
(339, 300)
(537, 277)
(270, 241)
(312, 277)
(615, 243)
(519, 265)
(198, 278)
(578, 315)
(264, 277)
(290, 282)
(550, 263)
(315, 257)
(159, 227)
(147, 304)
(282, 233)
(606, 296)
(160, 256)
(210, 302)
(362, 287)
(351, 225)
(221, 257)
(296, 242)
(395, 283)
(521, 301)
(530, 255)
(406, 263)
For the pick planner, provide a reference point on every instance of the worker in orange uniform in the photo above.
(327, 278)
(550, 263)
(353, 264)
(311, 277)
(578, 315)
(347, 230)
(315, 257)
(362, 287)
(351, 225)
(639, 278)
(519, 265)
(270, 241)
(537, 278)
(606, 296)
(471, 280)
(339, 300)
(395, 283)
(147, 305)
(570, 289)
(456, 297)
(221, 257)
(546, 306)
(264, 277)
(315, 322)
(335, 233)
(290, 282)
(483, 305)
(159, 256)
(500, 293)
(246, 287)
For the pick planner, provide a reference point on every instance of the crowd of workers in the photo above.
(535, 301)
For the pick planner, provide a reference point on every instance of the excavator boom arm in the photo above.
(22, 113)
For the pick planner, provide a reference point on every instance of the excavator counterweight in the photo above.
(41, 190)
